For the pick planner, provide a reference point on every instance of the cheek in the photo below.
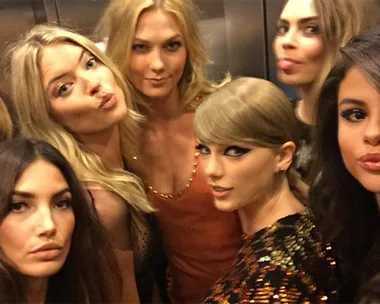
(314, 51)
(346, 144)
(66, 224)
(276, 46)
(13, 241)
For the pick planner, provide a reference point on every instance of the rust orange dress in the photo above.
(200, 241)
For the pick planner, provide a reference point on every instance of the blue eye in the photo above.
(354, 115)
(90, 63)
(203, 150)
(236, 151)
(63, 89)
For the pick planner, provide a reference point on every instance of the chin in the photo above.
(224, 205)
(292, 79)
(43, 270)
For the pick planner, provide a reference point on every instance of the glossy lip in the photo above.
(370, 161)
(47, 247)
(108, 100)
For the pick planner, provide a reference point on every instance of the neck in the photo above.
(167, 108)
(36, 290)
(106, 145)
(268, 210)
(305, 110)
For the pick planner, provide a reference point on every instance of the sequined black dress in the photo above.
(286, 262)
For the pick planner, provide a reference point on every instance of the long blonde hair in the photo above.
(119, 25)
(340, 20)
(37, 121)
(253, 111)
(6, 126)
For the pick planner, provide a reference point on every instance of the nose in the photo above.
(212, 167)
(46, 226)
(372, 132)
(92, 83)
(156, 61)
(289, 40)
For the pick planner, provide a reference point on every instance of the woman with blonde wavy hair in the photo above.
(68, 93)
(309, 36)
(157, 44)
(246, 153)
(5, 122)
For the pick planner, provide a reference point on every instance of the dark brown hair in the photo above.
(90, 272)
(347, 213)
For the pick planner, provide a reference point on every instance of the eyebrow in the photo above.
(64, 74)
(171, 38)
(351, 101)
(31, 195)
(302, 20)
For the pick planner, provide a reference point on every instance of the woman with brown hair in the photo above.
(53, 250)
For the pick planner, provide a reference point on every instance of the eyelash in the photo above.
(60, 87)
(348, 115)
(171, 46)
(282, 29)
(203, 150)
(66, 202)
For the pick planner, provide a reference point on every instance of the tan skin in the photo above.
(169, 141)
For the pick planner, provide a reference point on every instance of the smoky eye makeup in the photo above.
(203, 150)
(236, 151)
(353, 115)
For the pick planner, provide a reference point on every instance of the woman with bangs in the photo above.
(345, 197)
(246, 154)
(306, 46)
(157, 44)
(69, 94)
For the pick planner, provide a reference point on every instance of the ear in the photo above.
(285, 156)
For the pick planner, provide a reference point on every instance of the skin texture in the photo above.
(76, 97)
(359, 127)
(40, 214)
(248, 173)
(298, 39)
(159, 52)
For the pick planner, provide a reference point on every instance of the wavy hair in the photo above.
(36, 119)
(6, 128)
(118, 25)
(90, 273)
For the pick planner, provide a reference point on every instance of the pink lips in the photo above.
(370, 161)
(108, 101)
(220, 192)
(287, 63)
(47, 252)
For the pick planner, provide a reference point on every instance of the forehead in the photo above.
(298, 9)
(357, 85)
(41, 176)
(57, 57)
(157, 23)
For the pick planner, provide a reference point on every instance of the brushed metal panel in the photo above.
(246, 37)
(80, 15)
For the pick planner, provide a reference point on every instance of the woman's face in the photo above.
(35, 235)
(83, 93)
(158, 55)
(238, 174)
(298, 45)
(359, 128)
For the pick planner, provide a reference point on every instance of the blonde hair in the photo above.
(340, 20)
(6, 127)
(36, 119)
(253, 111)
(119, 25)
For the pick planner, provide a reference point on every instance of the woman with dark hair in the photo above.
(345, 196)
(52, 248)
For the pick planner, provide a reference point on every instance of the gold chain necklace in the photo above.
(187, 185)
